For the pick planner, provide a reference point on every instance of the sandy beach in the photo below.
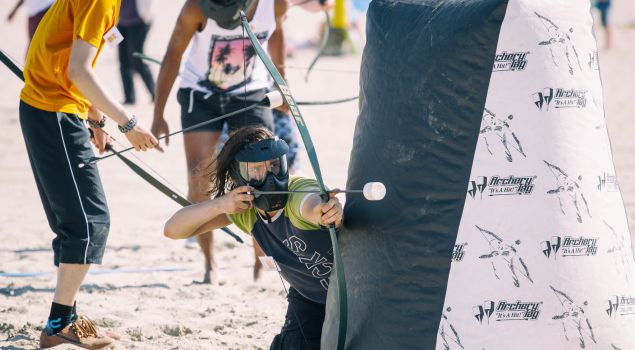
(146, 289)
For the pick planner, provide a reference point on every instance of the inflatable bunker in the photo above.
(503, 226)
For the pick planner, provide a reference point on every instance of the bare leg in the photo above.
(69, 279)
(206, 243)
(257, 264)
(200, 149)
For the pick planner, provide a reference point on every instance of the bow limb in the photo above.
(11, 64)
(308, 144)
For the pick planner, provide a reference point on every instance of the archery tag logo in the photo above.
(621, 306)
(511, 185)
(477, 187)
(507, 311)
(607, 183)
(501, 186)
(551, 247)
(543, 98)
(483, 311)
(559, 98)
(569, 246)
(459, 252)
(510, 61)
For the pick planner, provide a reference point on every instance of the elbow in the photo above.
(75, 73)
(169, 234)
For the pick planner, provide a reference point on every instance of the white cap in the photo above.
(374, 191)
(275, 99)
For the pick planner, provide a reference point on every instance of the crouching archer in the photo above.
(290, 227)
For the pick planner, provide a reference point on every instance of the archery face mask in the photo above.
(263, 166)
(226, 13)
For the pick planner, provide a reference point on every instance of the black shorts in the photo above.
(197, 107)
(303, 322)
(73, 198)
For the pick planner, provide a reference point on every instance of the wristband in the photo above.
(97, 124)
(129, 125)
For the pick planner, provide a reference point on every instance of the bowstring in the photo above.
(174, 188)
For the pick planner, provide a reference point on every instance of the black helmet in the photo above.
(263, 166)
(226, 13)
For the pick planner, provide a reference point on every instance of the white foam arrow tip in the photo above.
(374, 191)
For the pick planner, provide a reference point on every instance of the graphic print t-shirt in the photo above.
(302, 250)
(231, 63)
(223, 61)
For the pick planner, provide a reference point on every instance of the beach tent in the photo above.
(503, 226)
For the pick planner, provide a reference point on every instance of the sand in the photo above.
(145, 290)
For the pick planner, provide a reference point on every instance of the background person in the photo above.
(604, 6)
(60, 92)
(134, 23)
(222, 73)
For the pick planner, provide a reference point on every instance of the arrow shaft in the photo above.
(306, 191)
(195, 126)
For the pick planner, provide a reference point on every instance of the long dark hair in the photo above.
(220, 169)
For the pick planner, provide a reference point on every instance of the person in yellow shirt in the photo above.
(60, 94)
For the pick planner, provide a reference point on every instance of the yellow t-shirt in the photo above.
(47, 86)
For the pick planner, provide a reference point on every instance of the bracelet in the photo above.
(129, 125)
(97, 124)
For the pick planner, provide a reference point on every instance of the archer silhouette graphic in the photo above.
(568, 192)
(231, 62)
(560, 44)
(502, 252)
(574, 317)
(620, 251)
(448, 333)
(498, 128)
